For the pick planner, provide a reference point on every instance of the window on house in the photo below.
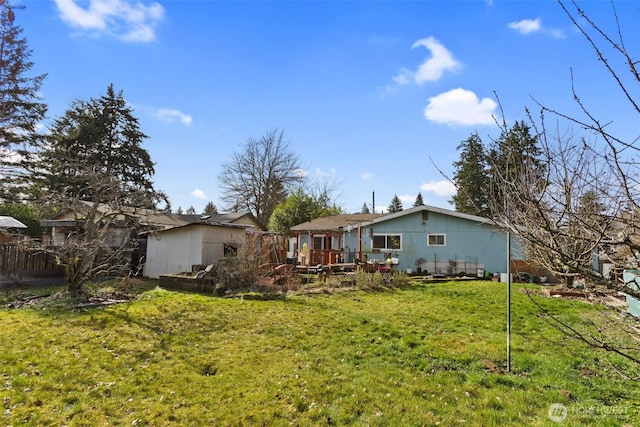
(335, 243)
(318, 242)
(425, 215)
(387, 242)
(436, 240)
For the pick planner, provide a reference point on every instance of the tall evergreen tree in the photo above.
(21, 107)
(99, 138)
(93, 167)
(365, 208)
(210, 209)
(471, 178)
(419, 201)
(515, 154)
(395, 205)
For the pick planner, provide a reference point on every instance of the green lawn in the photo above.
(429, 354)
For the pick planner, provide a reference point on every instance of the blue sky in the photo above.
(374, 95)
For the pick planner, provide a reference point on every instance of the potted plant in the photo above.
(419, 263)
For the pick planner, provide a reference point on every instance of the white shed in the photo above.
(177, 250)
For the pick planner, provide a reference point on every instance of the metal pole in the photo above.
(309, 255)
(508, 301)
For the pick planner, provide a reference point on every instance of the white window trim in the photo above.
(385, 241)
(437, 234)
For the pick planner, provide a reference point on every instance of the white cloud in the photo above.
(407, 200)
(366, 175)
(198, 193)
(170, 115)
(122, 19)
(556, 33)
(460, 107)
(320, 172)
(301, 172)
(529, 26)
(439, 188)
(433, 68)
(526, 26)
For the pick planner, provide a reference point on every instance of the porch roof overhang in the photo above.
(333, 223)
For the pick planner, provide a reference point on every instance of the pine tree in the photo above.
(21, 107)
(419, 201)
(96, 142)
(365, 209)
(471, 178)
(94, 168)
(191, 210)
(514, 154)
(395, 205)
(210, 209)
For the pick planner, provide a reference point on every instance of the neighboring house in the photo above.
(444, 241)
(178, 249)
(65, 223)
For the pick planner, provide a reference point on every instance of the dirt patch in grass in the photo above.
(97, 294)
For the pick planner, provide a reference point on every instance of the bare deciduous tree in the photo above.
(566, 217)
(260, 175)
(103, 236)
(95, 172)
(582, 211)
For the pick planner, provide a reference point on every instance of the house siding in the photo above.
(472, 245)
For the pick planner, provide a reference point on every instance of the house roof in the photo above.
(10, 222)
(435, 209)
(338, 222)
(153, 218)
(334, 222)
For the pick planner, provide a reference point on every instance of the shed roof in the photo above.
(10, 222)
(200, 224)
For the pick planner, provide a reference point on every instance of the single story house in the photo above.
(193, 234)
(429, 238)
(66, 222)
(178, 249)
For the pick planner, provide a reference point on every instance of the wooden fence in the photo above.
(17, 257)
